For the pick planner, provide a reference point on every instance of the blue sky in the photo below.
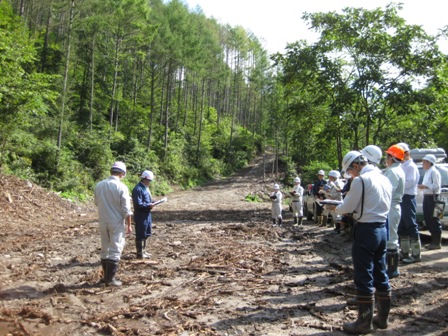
(278, 22)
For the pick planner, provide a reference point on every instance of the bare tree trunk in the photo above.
(114, 83)
(167, 109)
(92, 82)
(201, 113)
(43, 59)
(179, 98)
(152, 104)
(65, 80)
(22, 8)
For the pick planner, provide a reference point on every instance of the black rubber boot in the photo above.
(363, 325)
(103, 266)
(300, 220)
(381, 320)
(353, 301)
(436, 242)
(280, 221)
(274, 221)
(111, 270)
(392, 257)
(405, 247)
(139, 248)
(416, 248)
(337, 228)
(295, 220)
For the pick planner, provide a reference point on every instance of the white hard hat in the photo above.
(276, 187)
(373, 153)
(321, 172)
(119, 166)
(404, 146)
(147, 174)
(430, 157)
(334, 173)
(351, 157)
(297, 179)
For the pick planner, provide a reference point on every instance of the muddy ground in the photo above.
(218, 267)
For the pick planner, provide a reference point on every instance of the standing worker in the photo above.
(408, 227)
(276, 210)
(373, 154)
(297, 201)
(332, 191)
(317, 186)
(431, 187)
(369, 200)
(142, 201)
(114, 210)
(395, 174)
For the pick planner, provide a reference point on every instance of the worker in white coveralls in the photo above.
(396, 176)
(297, 201)
(332, 191)
(114, 211)
(276, 198)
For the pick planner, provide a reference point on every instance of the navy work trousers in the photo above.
(408, 226)
(433, 223)
(369, 258)
(143, 225)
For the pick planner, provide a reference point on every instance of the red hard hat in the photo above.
(396, 151)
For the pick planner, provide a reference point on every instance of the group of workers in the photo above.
(382, 206)
(381, 203)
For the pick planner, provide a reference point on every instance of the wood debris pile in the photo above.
(21, 201)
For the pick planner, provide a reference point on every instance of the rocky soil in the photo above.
(218, 267)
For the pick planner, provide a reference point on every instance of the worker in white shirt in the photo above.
(431, 186)
(114, 211)
(332, 191)
(408, 233)
(395, 174)
(297, 201)
(369, 200)
(276, 209)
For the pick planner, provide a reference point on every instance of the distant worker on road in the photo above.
(297, 201)
(431, 186)
(408, 228)
(332, 191)
(114, 210)
(276, 210)
(395, 174)
(317, 186)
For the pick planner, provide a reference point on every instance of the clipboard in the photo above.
(163, 200)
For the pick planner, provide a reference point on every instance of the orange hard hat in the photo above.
(396, 151)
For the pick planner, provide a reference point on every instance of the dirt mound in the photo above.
(22, 201)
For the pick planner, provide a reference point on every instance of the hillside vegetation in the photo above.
(161, 86)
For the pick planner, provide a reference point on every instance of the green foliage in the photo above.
(75, 197)
(356, 83)
(164, 88)
(253, 198)
(93, 151)
(309, 174)
(24, 93)
(289, 169)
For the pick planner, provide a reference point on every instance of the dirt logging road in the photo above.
(218, 267)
